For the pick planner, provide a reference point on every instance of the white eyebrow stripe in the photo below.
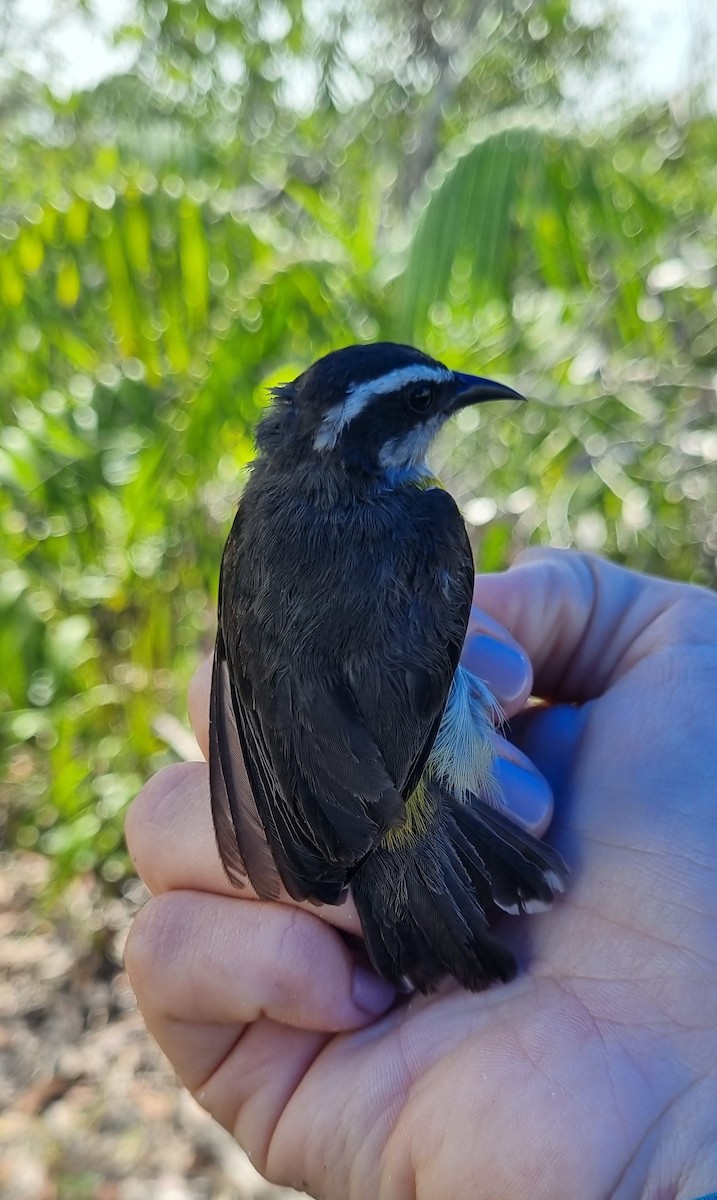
(360, 395)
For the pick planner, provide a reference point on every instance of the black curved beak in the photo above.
(473, 389)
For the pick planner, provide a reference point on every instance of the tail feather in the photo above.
(424, 902)
(521, 873)
(393, 932)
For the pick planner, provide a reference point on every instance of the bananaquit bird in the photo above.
(349, 750)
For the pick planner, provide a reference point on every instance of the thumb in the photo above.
(582, 621)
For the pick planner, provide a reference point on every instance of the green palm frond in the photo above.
(526, 203)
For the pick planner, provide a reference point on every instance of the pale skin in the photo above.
(594, 1074)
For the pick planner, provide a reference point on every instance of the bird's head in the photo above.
(374, 407)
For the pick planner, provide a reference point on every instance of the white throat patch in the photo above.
(410, 450)
(360, 396)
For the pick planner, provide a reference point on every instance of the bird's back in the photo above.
(374, 588)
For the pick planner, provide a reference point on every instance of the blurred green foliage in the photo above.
(268, 182)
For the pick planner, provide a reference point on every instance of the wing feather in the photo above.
(239, 831)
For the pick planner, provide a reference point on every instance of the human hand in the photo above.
(594, 1073)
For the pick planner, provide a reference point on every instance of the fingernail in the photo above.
(370, 993)
(504, 668)
(527, 794)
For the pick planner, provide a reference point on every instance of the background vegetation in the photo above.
(268, 181)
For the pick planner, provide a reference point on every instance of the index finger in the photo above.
(171, 841)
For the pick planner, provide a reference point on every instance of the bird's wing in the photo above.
(239, 831)
(318, 790)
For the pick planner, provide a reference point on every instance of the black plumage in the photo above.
(345, 593)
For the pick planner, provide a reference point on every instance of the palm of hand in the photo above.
(569, 1072)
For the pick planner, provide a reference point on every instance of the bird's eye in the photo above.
(420, 399)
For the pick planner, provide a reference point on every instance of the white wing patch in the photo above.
(360, 395)
(462, 756)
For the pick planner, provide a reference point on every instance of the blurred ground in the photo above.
(89, 1108)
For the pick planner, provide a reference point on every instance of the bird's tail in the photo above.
(424, 896)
